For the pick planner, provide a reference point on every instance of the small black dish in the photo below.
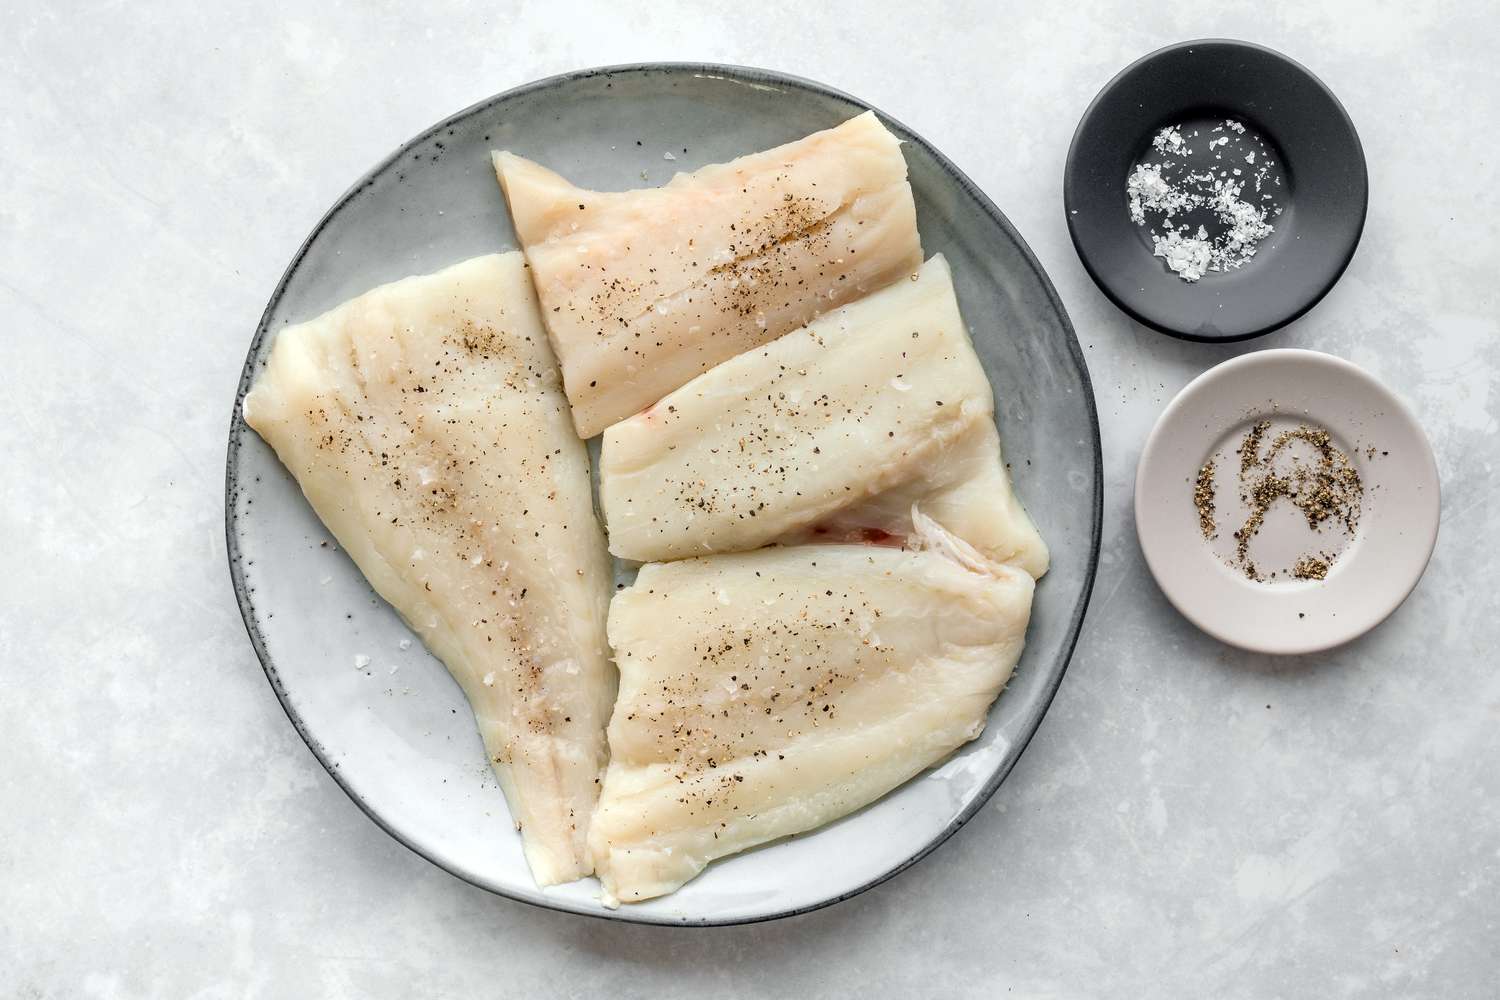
(1324, 188)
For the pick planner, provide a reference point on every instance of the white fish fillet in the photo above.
(642, 290)
(425, 424)
(767, 693)
(832, 432)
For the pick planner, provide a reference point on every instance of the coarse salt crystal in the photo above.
(1188, 257)
(1169, 140)
(1147, 190)
(1168, 189)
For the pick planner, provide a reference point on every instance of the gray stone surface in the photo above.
(1190, 821)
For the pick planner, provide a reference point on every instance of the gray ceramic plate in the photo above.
(398, 735)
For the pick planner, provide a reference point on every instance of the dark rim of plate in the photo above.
(1072, 181)
(238, 428)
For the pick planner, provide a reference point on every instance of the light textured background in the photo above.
(1190, 821)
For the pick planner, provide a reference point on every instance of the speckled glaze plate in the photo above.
(1370, 569)
(399, 737)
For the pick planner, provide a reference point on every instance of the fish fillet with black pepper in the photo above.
(425, 423)
(642, 290)
(833, 432)
(767, 693)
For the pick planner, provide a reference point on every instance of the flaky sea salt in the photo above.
(1188, 256)
(1160, 193)
(1247, 224)
(1168, 140)
(1147, 190)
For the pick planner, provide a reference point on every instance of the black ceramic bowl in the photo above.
(1323, 190)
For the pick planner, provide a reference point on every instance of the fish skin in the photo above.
(642, 290)
(764, 694)
(830, 433)
(435, 401)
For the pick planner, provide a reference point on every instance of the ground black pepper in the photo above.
(1327, 490)
(1203, 499)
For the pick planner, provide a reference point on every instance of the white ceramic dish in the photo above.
(398, 736)
(1379, 563)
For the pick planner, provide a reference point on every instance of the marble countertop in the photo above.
(1190, 820)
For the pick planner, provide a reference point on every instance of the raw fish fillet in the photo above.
(425, 423)
(767, 693)
(830, 433)
(642, 290)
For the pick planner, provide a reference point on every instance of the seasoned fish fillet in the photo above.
(967, 491)
(832, 432)
(642, 290)
(425, 423)
(767, 693)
